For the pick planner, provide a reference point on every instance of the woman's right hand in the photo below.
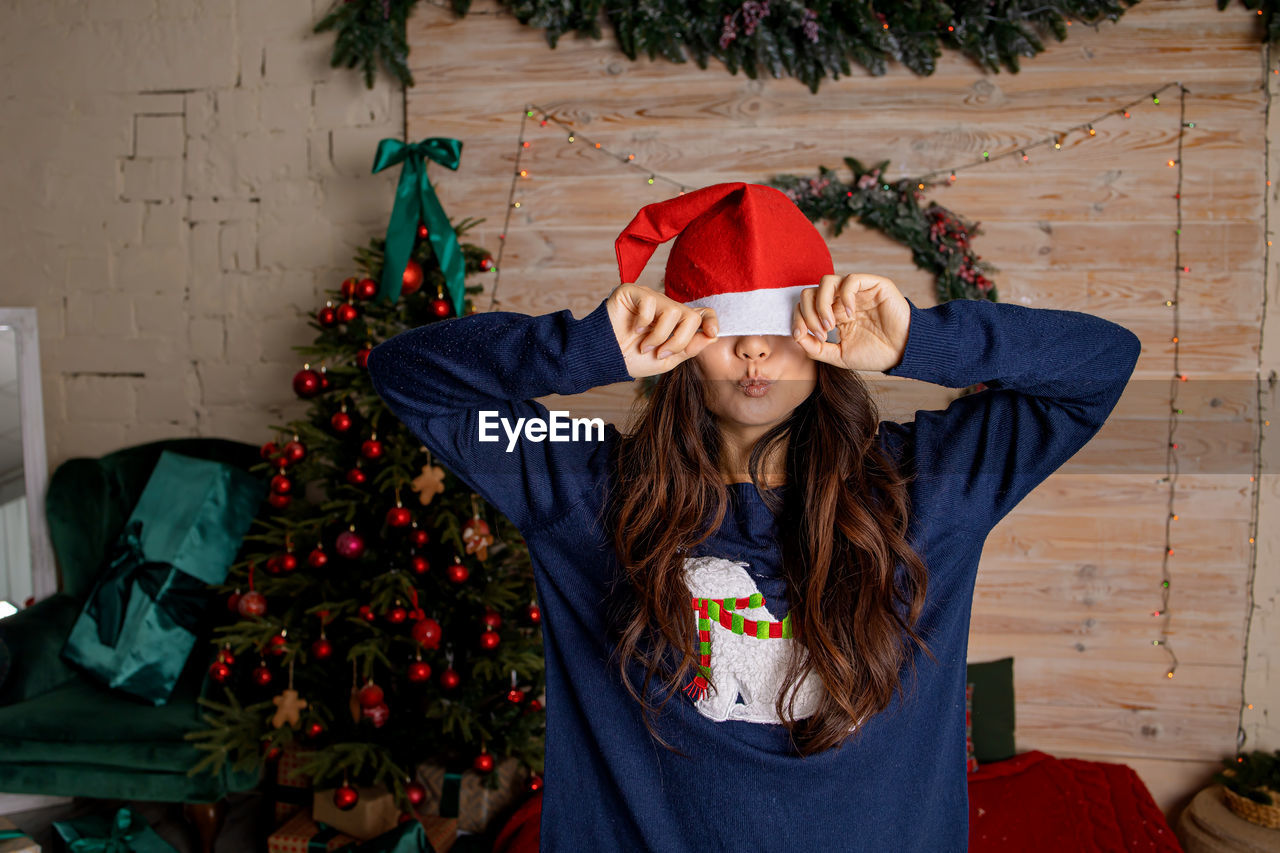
(656, 333)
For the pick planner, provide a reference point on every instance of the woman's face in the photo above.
(756, 380)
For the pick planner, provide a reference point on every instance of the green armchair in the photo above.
(62, 734)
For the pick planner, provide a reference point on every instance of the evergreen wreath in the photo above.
(806, 39)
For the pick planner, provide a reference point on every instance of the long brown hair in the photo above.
(843, 529)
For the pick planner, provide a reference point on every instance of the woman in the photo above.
(731, 593)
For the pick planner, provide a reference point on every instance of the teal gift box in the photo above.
(137, 628)
(126, 832)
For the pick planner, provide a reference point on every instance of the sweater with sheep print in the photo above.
(1051, 379)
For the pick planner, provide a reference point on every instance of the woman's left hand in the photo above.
(871, 313)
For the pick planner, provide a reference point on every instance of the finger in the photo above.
(825, 295)
(663, 323)
(710, 323)
(680, 338)
(809, 314)
(645, 311)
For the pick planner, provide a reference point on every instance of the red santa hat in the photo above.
(743, 249)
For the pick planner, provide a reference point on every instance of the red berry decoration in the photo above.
(252, 604)
(486, 264)
(491, 619)
(341, 422)
(317, 558)
(262, 675)
(356, 477)
(366, 288)
(327, 316)
(279, 501)
(449, 679)
(419, 671)
(294, 452)
(416, 793)
(346, 797)
(314, 729)
(269, 449)
(515, 695)
(347, 312)
(419, 564)
(483, 762)
(489, 640)
(370, 695)
(411, 281)
(420, 537)
(371, 449)
(219, 672)
(397, 615)
(366, 613)
(399, 516)
(349, 287)
(350, 545)
(535, 614)
(322, 649)
(306, 383)
(377, 715)
(458, 573)
(427, 632)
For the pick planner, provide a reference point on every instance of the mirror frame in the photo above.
(35, 465)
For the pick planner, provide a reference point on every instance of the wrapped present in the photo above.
(14, 840)
(464, 795)
(301, 834)
(409, 836)
(291, 791)
(125, 832)
(374, 813)
(137, 627)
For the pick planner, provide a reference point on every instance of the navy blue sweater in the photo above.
(1052, 379)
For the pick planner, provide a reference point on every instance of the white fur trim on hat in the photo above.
(766, 311)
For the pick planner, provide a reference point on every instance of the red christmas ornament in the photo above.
(277, 644)
(327, 316)
(341, 422)
(458, 572)
(489, 640)
(279, 501)
(491, 619)
(535, 614)
(349, 287)
(441, 307)
(535, 783)
(366, 289)
(486, 263)
(420, 537)
(346, 797)
(280, 484)
(419, 670)
(422, 231)
(371, 448)
(449, 679)
(233, 601)
(419, 564)
(411, 282)
(294, 451)
(534, 705)
(350, 545)
(427, 632)
(273, 564)
(226, 657)
(317, 558)
(416, 793)
(347, 312)
(219, 671)
(483, 762)
(252, 604)
(314, 729)
(362, 356)
(324, 380)
(356, 477)
(273, 753)
(288, 562)
(370, 695)
(396, 615)
(306, 383)
(399, 516)
(269, 449)
(377, 715)
(322, 649)
(515, 695)
(366, 613)
(262, 675)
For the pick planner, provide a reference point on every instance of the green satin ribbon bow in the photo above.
(123, 829)
(416, 200)
(10, 834)
(178, 594)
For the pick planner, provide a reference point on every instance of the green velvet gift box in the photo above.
(126, 832)
(139, 624)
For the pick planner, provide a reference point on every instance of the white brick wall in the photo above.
(182, 180)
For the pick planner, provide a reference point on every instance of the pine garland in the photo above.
(808, 41)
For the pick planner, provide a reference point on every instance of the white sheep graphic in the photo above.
(732, 618)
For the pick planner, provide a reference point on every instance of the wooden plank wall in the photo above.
(1069, 580)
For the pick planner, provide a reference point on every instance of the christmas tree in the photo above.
(379, 613)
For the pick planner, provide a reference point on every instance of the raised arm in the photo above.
(439, 378)
(1052, 378)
